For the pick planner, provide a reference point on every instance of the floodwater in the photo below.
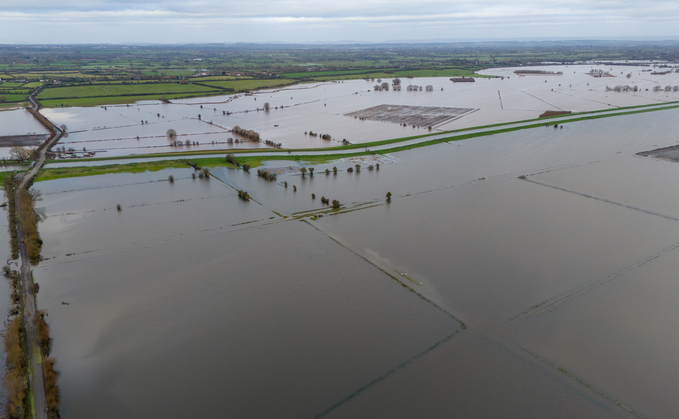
(522, 274)
(322, 108)
(190, 302)
(191, 294)
(18, 122)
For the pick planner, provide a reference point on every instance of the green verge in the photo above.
(66, 172)
(253, 161)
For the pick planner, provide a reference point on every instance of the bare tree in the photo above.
(20, 153)
(171, 134)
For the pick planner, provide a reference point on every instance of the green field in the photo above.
(119, 100)
(244, 85)
(120, 90)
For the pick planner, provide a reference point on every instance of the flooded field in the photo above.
(205, 123)
(15, 127)
(554, 248)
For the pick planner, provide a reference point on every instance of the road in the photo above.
(37, 376)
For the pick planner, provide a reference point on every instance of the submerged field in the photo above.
(522, 274)
(345, 110)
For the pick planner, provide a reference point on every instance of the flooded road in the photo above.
(475, 292)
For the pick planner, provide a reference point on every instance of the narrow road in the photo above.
(37, 376)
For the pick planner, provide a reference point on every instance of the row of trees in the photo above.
(51, 375)
(29, 224)
(249, 134)
(265, 174)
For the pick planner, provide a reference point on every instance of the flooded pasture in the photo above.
(205, 123)
(255, 316)
(19, 128)
(554, 248)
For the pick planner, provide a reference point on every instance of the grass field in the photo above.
(244, 85)
(120, 100)
(120, 90)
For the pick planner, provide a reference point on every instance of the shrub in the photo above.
(335, 204)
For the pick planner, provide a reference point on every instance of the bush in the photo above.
(230, 158)
(335, 204)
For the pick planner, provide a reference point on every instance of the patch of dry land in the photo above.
(665, 153)
(423, 116)
(22, 140)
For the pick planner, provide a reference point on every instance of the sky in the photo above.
(307, 21)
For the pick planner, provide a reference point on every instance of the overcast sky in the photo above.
(189, 21)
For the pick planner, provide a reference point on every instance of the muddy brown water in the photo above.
(191, 302)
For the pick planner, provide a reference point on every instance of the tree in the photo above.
(267, 107)
(303, 170)
(246, 167)
(3, 98)
(311, 171)
(20, 153)
(358, 167)
(171, 179)
(396, 81)
(63, 127)
(335, 204)
(334, 169)
(171, 134)
(388, 196)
